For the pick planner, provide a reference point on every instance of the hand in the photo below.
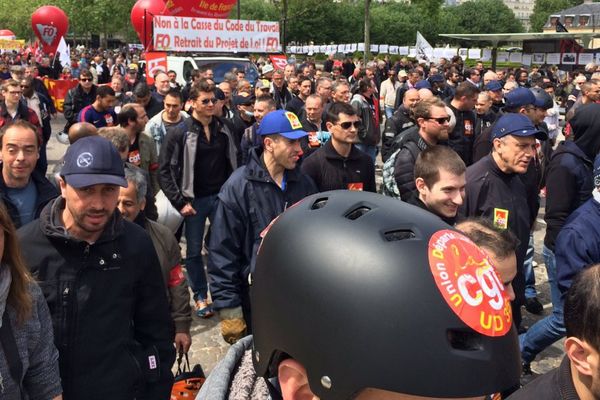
(233, 330)
(183, 342)
(187, 210)
(233, 325)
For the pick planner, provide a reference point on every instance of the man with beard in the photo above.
(102, 280)
(401, 120)
(100, 113)
(432, 128)
(248, 201)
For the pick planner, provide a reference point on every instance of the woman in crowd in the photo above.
(28, 357)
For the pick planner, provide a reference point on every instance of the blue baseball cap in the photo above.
(93, 160)
(424, 84)
(281, 122)
(517, 125)
(520, 97)
(494, 86)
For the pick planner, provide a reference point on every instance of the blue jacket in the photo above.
(248, 202)
(578, 243)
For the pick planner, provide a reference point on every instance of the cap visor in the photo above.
(83, 180)
(294, 134)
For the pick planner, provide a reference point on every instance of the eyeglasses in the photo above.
(440, 120)
(17, 93)
(85, 80)
(348, 124)
(212, 101)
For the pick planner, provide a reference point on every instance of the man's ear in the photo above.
(421, 186)
(579, 352)
(496, 143)
(143, 204)
(294, 381)
(62, 185)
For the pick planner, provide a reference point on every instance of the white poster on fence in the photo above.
(526, 60)
(474, 54)
(486, 55)
(502, 56)
(585, 58)
(515, 57)
(552, 58)
(403, 50)
(211, 35)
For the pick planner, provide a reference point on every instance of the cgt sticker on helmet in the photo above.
(294, 121)
(469, 284)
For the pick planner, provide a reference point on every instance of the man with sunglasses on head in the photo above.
(195, 161)
(338, 164)
(433, 125)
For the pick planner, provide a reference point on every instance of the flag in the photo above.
(65, 54)
(424, 49)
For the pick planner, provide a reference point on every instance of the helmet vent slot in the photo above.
(465, 341)
(319, 203)
(401, 234)
(357, 213)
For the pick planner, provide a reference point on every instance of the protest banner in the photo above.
(215, 35)
(11, 44)
(58, 90)
(155, 61)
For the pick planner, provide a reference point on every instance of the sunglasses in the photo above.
(348, 124)
(441, 120)
(85, 80)
(212, 101)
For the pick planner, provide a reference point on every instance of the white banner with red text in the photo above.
(215, 35)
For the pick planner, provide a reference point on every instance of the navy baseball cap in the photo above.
(93, 160)
(517, 125)
(520, 97)
(494, 86)
(281, 122)
(436, 78)
(424, 84)
(243, 100)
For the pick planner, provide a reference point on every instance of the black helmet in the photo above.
(358, 287)
(541, 97)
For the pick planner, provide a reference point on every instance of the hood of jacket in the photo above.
(586, 125)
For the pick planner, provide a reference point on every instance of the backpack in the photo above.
(390, 187)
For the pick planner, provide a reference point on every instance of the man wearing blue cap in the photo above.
(251, 198)
(496, 191)
(494, 90)
(102, 280)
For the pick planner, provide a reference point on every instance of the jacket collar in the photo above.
(257, 171)
(332, 154)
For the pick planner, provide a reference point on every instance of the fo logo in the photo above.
(84, 160)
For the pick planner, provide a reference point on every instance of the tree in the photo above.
(489, 16)
(543, 8)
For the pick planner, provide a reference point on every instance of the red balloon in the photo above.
(151, 8)
(49, 24)
(201, 8)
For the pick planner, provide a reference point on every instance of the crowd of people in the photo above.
(326, 299)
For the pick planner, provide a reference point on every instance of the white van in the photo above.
(184, 65)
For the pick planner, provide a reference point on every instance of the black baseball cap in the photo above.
(93, 160)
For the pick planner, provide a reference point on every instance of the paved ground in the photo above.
(208, 347)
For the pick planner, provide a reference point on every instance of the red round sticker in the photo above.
(469, 283)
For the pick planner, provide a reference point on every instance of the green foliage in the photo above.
(543, 8)
(483, 16)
